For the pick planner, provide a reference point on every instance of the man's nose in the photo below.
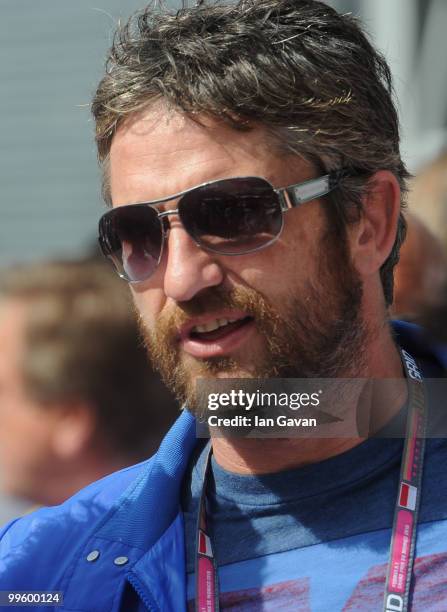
(189, 269)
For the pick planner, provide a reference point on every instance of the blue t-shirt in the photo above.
(317, 538)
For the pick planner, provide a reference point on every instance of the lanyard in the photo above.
(403, 536)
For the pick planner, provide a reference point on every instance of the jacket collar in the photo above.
(145, 528)
(156, 488)
(415, 340)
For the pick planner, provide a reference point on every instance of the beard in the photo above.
(318, 332)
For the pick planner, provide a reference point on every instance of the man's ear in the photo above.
(73, 430)
(372, 238)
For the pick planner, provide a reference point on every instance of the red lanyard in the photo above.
(207, 583)
(406, 511)
(403, 536)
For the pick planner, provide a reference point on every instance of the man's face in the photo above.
(292, 309)
(25, 426)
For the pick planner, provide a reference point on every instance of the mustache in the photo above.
(208, 301)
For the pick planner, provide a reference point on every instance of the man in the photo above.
(77, 392)
(207, 114)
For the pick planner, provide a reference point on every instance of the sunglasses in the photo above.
(233, 216)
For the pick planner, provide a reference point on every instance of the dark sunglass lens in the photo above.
(132, 237)
(232, 216)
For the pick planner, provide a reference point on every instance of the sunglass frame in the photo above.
(289, 197)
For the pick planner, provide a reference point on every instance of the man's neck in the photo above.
(263, 456)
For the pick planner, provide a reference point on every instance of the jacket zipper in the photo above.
(143, 593)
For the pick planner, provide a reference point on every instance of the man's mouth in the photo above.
(216, 336)
(219, 328)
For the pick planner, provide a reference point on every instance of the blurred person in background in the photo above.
(421, 273)
(77, 393)
(428, 196)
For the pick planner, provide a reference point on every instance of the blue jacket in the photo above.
(132, 518)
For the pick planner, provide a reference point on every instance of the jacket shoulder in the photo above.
(46, 539)
(419, 343)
